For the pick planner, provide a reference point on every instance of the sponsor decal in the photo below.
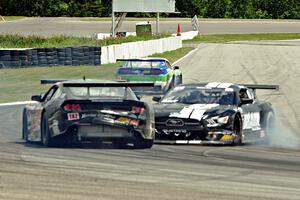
(251, 120)
(73, 116)
(227, 137)
(88, 115)
(124, 120)
(174, 131)
(174, 122)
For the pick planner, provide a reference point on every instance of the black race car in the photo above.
(214, 113)
(86, 110)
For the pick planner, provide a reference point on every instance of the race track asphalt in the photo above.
(49, 26)
(251, 171)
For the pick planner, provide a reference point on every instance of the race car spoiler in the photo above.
(51, 81)
(261, 86)
(141, 59)
(91, 84)
(108, 84)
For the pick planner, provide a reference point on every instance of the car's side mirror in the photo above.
(246, 101)
(156, 98)
(176, 67)
(36, 98)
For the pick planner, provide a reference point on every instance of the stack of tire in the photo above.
(5, 58)
(50, 57)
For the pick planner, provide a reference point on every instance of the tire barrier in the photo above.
(42, 57)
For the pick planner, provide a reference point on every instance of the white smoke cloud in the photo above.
(283, 135)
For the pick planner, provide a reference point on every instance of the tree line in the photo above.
(244, 9)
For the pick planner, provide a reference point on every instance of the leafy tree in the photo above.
(277, 9)
(218, 8)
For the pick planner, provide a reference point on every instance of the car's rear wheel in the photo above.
(268, 127)
(238, 131)
(25, 126)
(172, 83)
(179, 79)
(120, 143)
(143, 143)
(45, 132)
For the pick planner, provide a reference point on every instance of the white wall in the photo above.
(110, 53)
(187, 35)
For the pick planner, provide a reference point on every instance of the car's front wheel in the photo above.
(25, 126)
(143, 143)
(179, 79)
(238, 131)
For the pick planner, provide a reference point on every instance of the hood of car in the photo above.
(193, 111)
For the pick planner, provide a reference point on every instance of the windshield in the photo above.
(199, 95)
(144, 64)
(100, 92)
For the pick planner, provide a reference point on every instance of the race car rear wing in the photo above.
(141, 60)
(255, 87)
(51, 81)
(108, 84)
(98, 84)
(261, 86)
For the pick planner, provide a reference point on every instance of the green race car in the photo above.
(157, 70)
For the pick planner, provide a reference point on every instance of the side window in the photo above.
(250, 94)
(243, 94)
(48, 96)
(246, 94)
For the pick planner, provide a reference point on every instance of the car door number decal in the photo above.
(251, 120)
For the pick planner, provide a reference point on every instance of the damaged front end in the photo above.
(192, 131)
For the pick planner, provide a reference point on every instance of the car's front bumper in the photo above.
(202, 136)
(192, 142)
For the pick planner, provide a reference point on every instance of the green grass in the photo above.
(20, 84)
(18, 41)
(172, 56)
(12, 18)
(221, 38)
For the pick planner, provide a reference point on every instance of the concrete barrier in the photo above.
(139, 49)
(188, 35)
(16, 58)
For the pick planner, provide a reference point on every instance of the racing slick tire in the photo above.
(143, 143)
(179, 80)
(45, 132)
(268, 127)
(238, 131)
(25, 127)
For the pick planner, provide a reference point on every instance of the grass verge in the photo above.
(21, 84)
(221, 38)
(18, 41)
(172, 56)
(12, 18)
